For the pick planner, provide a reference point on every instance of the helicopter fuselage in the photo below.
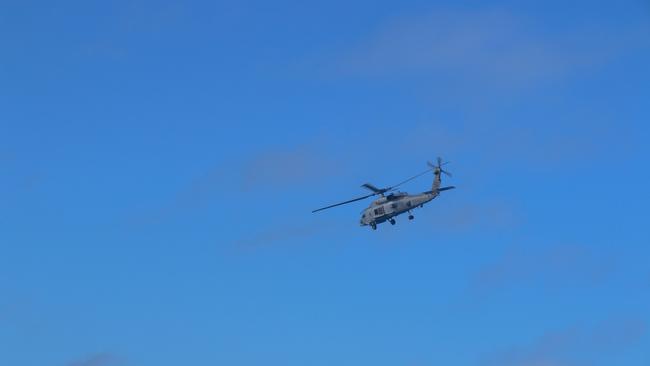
(385, 208)
(392, 203)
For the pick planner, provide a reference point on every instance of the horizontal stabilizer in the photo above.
(440, 189)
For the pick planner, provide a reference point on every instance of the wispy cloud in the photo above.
(491, 48)
(481, 144)
(279, 169)
(486, 61)
(281, 235)
(557, 264)
(284, 167)
(6, 156)
(99, 359)
(575, 345)
(484, 215)
(137, 21)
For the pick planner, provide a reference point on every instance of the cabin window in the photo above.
(408, 203)
(379, 210)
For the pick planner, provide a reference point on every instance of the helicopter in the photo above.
(395, 203)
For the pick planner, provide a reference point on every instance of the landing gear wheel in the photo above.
(373, 226)
(392, 221)
(411, 217)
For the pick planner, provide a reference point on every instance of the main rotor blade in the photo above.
(371, 187)
(410, 179)
(343, 203)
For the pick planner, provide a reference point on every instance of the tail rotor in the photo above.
(437, 169)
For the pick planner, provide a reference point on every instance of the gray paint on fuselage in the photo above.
(386, 208)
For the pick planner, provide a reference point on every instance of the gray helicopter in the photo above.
(395, 203)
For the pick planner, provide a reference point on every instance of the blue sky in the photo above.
(159, 162)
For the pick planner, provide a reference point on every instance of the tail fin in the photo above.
(436, 180)
(437, 172)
